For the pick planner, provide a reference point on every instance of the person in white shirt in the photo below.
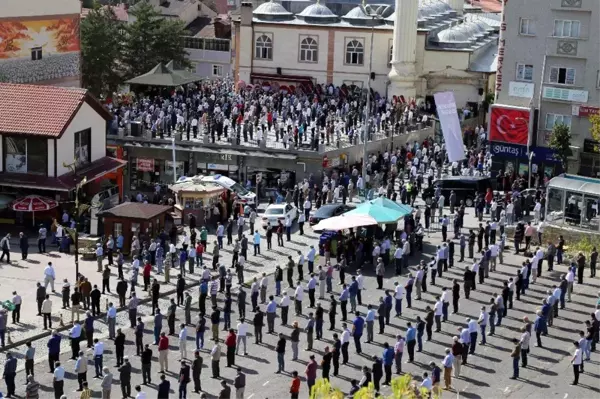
(242, 332)
(398, 295)
(140, 393)
(525, 337)
(472, 326)
(182, 341)
(534, 268)
(437, 313)
(345, 340)
(483, 322)
(493, 256)
(298, 296)
(426, 383)
(398, 260)
(537, 209)
(47, 312)
(577, 362)
(49, 276)
(540, 231)
(98, 351)
(570, 277)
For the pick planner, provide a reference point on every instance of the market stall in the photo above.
(194, 197)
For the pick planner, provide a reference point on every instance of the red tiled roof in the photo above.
(487, 5)
(41, 110)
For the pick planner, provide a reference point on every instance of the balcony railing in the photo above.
(202, 43)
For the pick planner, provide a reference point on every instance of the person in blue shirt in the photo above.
(158, 319)
(370, 319)
(411, 334)
(353, 291)
(53, 349)
(357, 331)
(256, 240)
(344, 301)
(120, 242)
(10, 372)
(388, 306)
(388, 361)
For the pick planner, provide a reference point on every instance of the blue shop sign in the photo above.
(505, 150)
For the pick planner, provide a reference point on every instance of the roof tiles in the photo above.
(37, 110)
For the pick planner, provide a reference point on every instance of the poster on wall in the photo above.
(34, 50)
(446, 109)
(509, 125)
(145, 165)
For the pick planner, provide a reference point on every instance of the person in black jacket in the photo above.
(120, 347)
(122, 291)
(377, 372)
(337, 350)
(146, 360)
(197, 371)
(95, 296)
(455, 296)
(184, 379)
(125, 378)
(326, 363)
(154, 293)
(163, 388)
(180, 289)
(24, 245)
(258, 321)
(241, 302)
(332, 314)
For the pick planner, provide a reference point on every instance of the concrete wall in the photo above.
(205, 59)
(85, 118)
(30, 8)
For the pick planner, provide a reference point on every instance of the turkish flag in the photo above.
(509, 125)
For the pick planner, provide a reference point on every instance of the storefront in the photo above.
(146, 173)
(515, 158)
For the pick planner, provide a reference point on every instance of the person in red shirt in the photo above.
(199, 252)
(295, 388)
(311, 372)
(230, 342)
(146, 274)
(163, 353)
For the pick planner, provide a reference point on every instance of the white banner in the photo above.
(448, 116)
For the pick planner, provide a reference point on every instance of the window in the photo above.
(308, 50)
(525, 72)
(527, 27)
(391, 54)
(566, 28)
(26, 155)
(217, 70)
(355, 52)
(117, 229)
(36, 53)
(557, 119)
(563, 76)
(83, 147)
(263, 49)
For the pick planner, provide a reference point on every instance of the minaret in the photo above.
(457, 5)
(403, 73)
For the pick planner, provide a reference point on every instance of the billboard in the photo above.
(509, 124)
(40, 49)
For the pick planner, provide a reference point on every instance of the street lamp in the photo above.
(78, 186)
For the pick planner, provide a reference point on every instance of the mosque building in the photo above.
(412, 49)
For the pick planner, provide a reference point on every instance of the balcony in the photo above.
(203, 43)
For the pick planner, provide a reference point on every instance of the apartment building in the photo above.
(549, 62)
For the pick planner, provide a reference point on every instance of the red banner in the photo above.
(509, 125)
(145, 165)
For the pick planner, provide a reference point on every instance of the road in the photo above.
(548, 373)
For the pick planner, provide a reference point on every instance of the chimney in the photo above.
(246, 13)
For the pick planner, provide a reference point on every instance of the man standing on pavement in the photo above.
(240, 384)
(163, 353)
(106, 383)
(197, 371)
(58, 381)
(10, 372)
(146, 360)
(49, 276)
(125, 378)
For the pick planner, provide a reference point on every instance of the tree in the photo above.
(151, 39)
(101, 51)
(595, 129)
(560, 142)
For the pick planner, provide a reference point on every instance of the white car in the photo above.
(276, 212)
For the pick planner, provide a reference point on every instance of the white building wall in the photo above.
(30, 8)
(85, 118)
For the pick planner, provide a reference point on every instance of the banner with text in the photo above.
(448, 116)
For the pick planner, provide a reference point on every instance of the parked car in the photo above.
(466, 188)
(277, 212)
(329, 210)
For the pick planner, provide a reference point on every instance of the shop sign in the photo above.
(145, 165)
(557, 93)
(501, 49)
(220, 158)
(591, 146)
(584, 110)
(521, 89)
(509, 150)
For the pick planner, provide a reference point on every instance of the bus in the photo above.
(243, 195)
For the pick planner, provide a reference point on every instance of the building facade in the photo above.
(40, 43)
(438, 48)
(550, 63)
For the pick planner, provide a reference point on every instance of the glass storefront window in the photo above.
(555, 212)
(573, 208)
(590, 213)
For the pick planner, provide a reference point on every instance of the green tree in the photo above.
(595, 129)
(151, 39)
(560, 142)
(101, 51)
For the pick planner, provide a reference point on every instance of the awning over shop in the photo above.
(66, 182)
